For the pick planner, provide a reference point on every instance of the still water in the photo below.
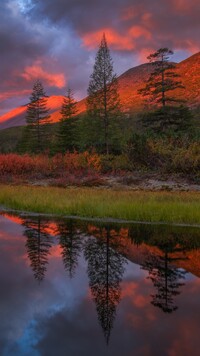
(72, 287)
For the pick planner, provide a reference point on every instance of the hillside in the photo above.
(135, 78)
(129, 83)
(16, 117)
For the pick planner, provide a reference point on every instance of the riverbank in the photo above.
(169, 207)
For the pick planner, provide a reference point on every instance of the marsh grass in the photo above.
(179, 207)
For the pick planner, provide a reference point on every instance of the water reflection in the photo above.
(70, 240)
(166, 279)
(105, 272)
(38, 246)
(167, 260)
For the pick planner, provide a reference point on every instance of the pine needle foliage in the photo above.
(67, 124)
(36, 134)
(103, 104)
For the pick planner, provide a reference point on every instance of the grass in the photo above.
(181, 207)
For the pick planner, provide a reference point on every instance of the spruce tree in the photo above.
(165, 111)
(103, 103)
(169, 120)
(66, 128)
(163, 79)
(36, 133)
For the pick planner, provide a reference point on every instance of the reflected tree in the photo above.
(165, 277)
(105, 271)
(70, 240)
(38, 245)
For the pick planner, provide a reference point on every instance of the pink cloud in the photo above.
(36, 71)
(116, 40)
(129, 13)
(13, 93)
(184, 5)
(139, 31)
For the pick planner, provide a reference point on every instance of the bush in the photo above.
(43, 166)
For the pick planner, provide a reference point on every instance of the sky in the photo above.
(56, 40)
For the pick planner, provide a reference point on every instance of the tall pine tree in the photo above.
(103, 103)
(36, 133)
(66, 128)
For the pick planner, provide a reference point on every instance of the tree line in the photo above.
(105, 128)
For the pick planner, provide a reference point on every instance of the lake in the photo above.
(77, 287)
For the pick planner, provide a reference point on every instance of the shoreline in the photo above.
(130, 181)
(25, 214)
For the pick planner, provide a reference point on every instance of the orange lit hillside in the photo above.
(16, 117)
(129, 83)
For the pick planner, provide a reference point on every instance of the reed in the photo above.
(172, 207)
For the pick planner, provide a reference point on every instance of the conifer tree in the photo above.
(166, 113)
(163, 79)
(170, 119)
(66, 128)
(103, 103)
(36, 133)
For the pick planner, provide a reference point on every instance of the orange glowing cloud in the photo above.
(139, 31)
(184, 5)
(13, 93)
(146, 17)
(144, 53)
(36, 71)
(116, 40)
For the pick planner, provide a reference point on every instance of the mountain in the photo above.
(129, 83)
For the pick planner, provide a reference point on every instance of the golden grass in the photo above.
(172, 207)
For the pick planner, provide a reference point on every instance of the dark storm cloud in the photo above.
(173, 22)
(25, 51)
(17, 45)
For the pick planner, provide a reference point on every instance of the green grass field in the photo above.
(169, 207)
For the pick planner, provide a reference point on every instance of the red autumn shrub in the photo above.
(43, 166)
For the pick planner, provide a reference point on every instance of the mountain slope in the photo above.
(129, 83)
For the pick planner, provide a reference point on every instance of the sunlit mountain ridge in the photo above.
(129, 83)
